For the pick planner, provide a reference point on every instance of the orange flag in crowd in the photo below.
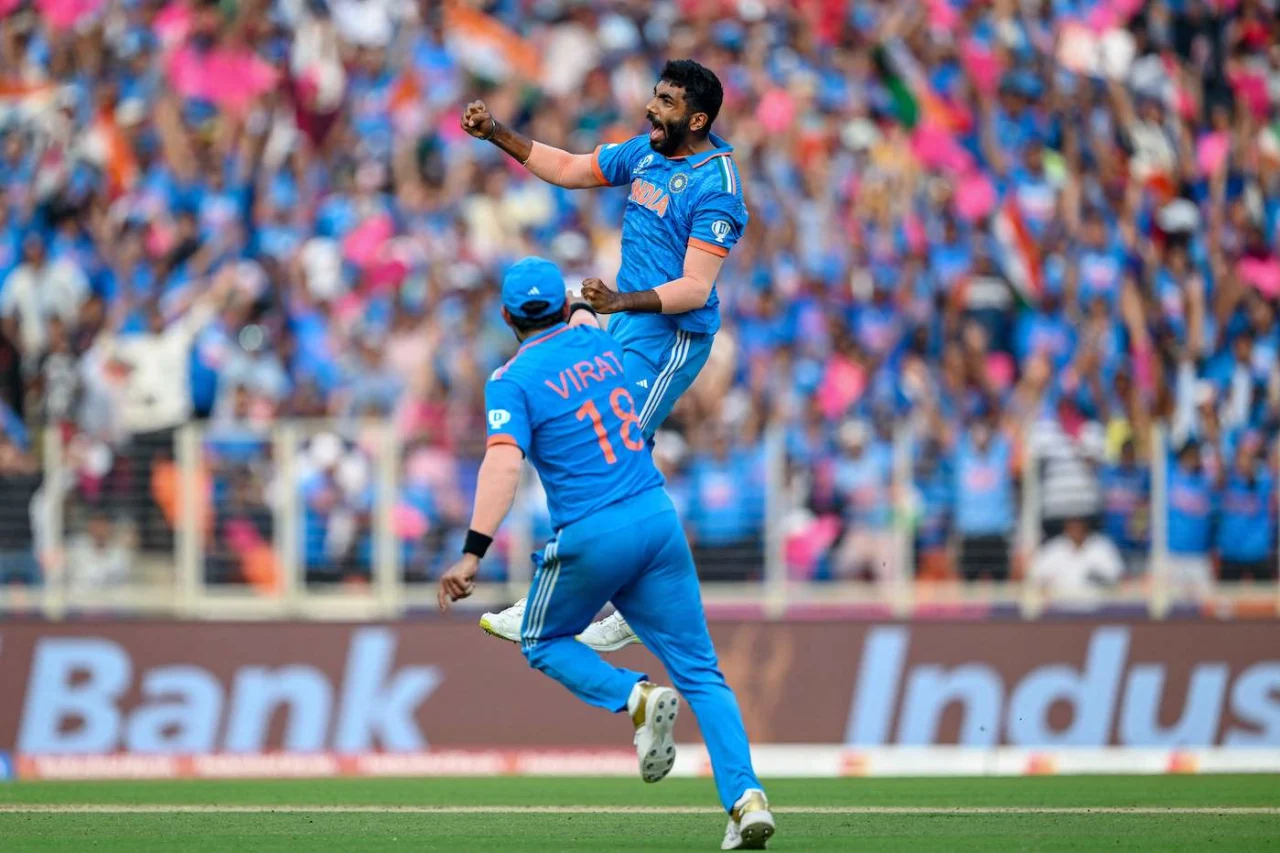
(463, 21)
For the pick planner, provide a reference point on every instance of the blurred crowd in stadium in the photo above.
(1019, 232)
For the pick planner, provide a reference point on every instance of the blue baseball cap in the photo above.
(533, 288)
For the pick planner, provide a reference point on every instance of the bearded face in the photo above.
(670, 119)
(667, 136)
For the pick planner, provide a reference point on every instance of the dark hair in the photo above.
(702, 90)
(528, 325)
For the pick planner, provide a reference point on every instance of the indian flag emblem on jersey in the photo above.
(678, 182)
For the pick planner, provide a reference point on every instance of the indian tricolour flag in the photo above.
(24, 100)
(1019, 256)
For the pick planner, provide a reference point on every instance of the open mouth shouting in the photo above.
(658, 135)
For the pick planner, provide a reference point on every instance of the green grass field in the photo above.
(519, 814)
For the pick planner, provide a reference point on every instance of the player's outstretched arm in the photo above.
(687, 293)
(495, 492)
(571, 171)
(496, 487)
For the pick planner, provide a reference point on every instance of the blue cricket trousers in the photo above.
(661, 362)
(634, 554)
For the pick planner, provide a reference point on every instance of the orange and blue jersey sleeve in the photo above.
(613, 163)
(718, 222)
(507, 414)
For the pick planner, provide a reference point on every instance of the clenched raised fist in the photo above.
(477, 121)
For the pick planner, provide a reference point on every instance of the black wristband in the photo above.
(477, 544)
(582, 306)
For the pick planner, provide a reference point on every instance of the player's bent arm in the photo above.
(692, 290)
(687, 293)
(496, 486)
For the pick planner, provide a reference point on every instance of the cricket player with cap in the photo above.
(564, 403)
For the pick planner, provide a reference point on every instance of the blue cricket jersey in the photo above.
(984, 488)
(564, 402)
(674, 203)
(1190, 511)
(1126, 506)
(1246, 528)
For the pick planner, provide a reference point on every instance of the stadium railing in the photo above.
(338, 520)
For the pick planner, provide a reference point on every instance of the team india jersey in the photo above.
(673, 203)
(564, 402)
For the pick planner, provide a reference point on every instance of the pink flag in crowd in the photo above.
(1262, 273)
(231, 78)
(1211, 152)
(409, 521)
(937, 149)
(842, 385)
(172, 24)
(975, 197)
(1102, 18)
(364, 244)
(943, 16)
(1251, 89)
(914, 230)
(982, 65)
(1001, 369)
(65, 14)
(776, 111)
(806, 545)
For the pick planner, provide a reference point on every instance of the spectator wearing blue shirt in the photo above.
(863, 476)
(1241, 383)
(1190, 514)
(370, 385)
(1034, 191)
(1100, 263)
(1045, 331)
(878, 326)
(808, 443)
(1126, 508)
(337, 501)
(935, 501)
(725, 520)
(10, 241)
(950, 257)
(1174, 281)
(1246, 532)
(1266, 332)
(985, 507)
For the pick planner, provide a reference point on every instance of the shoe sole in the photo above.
(756, 835)
(487, 627)
(664, 708)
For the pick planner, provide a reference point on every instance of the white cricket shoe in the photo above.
(750, 823)
(505, 625)
(609, 634)
(654, 710)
